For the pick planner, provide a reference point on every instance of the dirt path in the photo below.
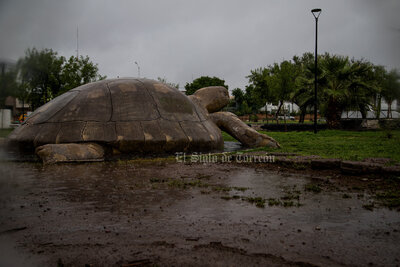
(160, 213)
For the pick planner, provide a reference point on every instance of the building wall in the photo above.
(5, 118)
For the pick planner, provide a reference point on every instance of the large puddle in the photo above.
(167, 213)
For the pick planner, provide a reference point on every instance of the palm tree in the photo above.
(343, 87)
(391, 89)
(303, 95)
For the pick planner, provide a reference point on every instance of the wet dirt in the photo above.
(163, 213)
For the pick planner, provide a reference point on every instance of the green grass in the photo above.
(5, 132)
(345, 145)
(228, 137)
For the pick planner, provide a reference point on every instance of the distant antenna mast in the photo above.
(77, 42)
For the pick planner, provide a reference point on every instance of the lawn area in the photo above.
(5, 132)
(347, 145)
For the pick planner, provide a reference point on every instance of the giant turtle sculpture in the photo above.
(131, 116)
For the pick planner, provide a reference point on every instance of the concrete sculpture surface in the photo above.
(131, 116)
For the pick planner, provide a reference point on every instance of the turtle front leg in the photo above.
(55, 153)
(230, 123)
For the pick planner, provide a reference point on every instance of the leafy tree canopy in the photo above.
(8, 83)
(78, 71)
(44, 75)
(203, 81)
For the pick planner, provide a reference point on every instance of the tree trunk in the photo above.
(363, 111)
(302, 115)
(378, 106)
(333, 114)
(284, 118)
(389, 112)
(277, 112)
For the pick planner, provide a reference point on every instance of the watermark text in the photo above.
(198, 157)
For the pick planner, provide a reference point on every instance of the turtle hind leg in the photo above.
(241, 131)
(71, 152)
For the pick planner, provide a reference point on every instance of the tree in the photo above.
(273, 84)
(44, 75)
(303, 95)
(203, 81)
(239, 97)
(362, 87)
(391, 89)
(377, 75)
(244, 108)
(76, 72)
(343, 86)
(259, 92)
(283, 82)
(41, 70)
(8, 84)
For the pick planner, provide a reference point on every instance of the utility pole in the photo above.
(77, 42)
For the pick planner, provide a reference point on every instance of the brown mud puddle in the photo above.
(146, 213)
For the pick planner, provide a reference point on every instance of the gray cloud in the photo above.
(181, 40)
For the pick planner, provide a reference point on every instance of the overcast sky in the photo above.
(183, 40)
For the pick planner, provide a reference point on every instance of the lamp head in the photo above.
(316, 12)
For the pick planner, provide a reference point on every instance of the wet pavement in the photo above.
(158, 212)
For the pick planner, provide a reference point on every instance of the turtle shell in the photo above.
(131, 115)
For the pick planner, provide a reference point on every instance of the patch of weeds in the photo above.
(157, 180)
(228, 188)
(177, 183)
(288, 204)
(242, 189)
(369, 206)
(273, 202)
(182, 184)
(291, 196)
(313, 188)
(230, 197)
(259, 201)
(222, 189)
(288, 199)
(298, 166)
(346, 196)
(390, 199)
(203, 176)
(294, 165)
(204, 192)
(196, 183)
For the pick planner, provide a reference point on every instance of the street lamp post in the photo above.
(316, 12)
(138, 68)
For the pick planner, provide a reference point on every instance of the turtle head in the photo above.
(213, 98)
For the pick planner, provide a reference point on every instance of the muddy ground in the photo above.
(163, 213)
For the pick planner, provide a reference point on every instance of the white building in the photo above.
(372, 115)
(287, 106)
